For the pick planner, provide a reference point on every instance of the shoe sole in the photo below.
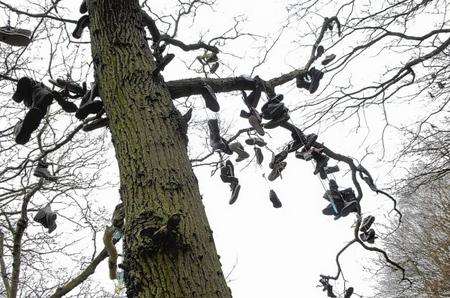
(15, 39)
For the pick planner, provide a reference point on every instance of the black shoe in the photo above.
(276, 159)
(256, 124)
(368, 236)
(328, 59)
(349, 292)
(46, 217)
(310, 139)
(253, 98)
(348, 194)
(15, 36)
(24, 91)
(30, 123)
(331, 170)
(330, 291)
(83, 7)
(255, 141)
(348, 208)
(234, 194)
(96, 124)
(245, 114)
(329, 210)
(274, 199)
(259, 155)
(67, 106)
(214, 67)
(276, 171)
(319, 51)
(367, 223)
(239, 150)
(333, 185)
(70, 86)
(273, 110)
(88, 105)
(210, 98)
(82, 23)
(277, 122)
(41, 171)
(301, 81)
(216, 141)
(277, 98)
(321, 163)
(316, 75)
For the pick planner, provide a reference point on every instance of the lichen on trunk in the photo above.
(156, 177)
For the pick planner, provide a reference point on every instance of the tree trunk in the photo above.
(156, 177)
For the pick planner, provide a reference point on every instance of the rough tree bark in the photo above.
(157, 180)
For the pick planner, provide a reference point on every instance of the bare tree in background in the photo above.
(157, 185)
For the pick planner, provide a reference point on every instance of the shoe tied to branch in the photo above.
(235, 188)
(82, 23)
(47, 218)
(321, 163)
(328, 59)
(329, 210)
(14, 36)
(274, 199)
(276, 171)
(24, 129)
(349, 292)
(42, 97)
(214, 67)
(41, 171)
(349, 207)
(67, 106)
(216, 141)
(309, 140)
(276, 159)
(210, 98)
(277, 121)
(330, 291)
(70, 86)
(239, 150)
(368, 236)
(256, 141)
(255, 121)
(83, 7)
(331, 170)
(316, 75)
(88, 105)
(259, 155)
(367, 223)
(24, 91)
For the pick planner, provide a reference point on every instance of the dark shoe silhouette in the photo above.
(277, 122)
(253, 98)
(274, 199)
(24, 91)
(42, 97)
(256, 124)
(319, 52)
(321, 163)
(216, 141)
(276, 171)
(83, 7)
(14, 36)
(316, 75)
(41, 171)
(348, 208)
(328, 59)
(309, 140)
(367, 223)
(259, 155)
(239, 150)
(96, 124)
(301, 81)
(256, 141)
(82, 23)
(70, 86)
(47, 218)
(331, 170)
(210, 98)
(348, 194)
(329, 210)
(330, 291)
(234, 194)
(88, 105)
(30, 123)
(67, 106)
(368, 236)
(349, 292)
(214, 67)
(276, 159)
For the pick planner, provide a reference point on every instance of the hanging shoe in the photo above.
(330, 291)
(368, 236)
(328, 59)
(367, 223)
(82, 23)
(276, 159)
(88, 105)
(41, 171)
(24, 91)
(302, 81)
(234, 193)
(67, 106)
(239, 150)
(277, 122)
(316, 76)
(30, 123)
(47, 218)
(256, 124)
(42, 97)
(276, 171)
(253, 98)
(321, 163)
(259, 155)
(210, 98)
(309, 140)
(212, 58)
(255, 141)
(349, 292)
(348, 208)
(69, 85)
(274, 199)
(14, 36)
(348, 194)
(214, 67)
(319, 51)
(216, 141)
(83, 7)
(331, 170)
(329, 210)
(245, 114)
(96, 124)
